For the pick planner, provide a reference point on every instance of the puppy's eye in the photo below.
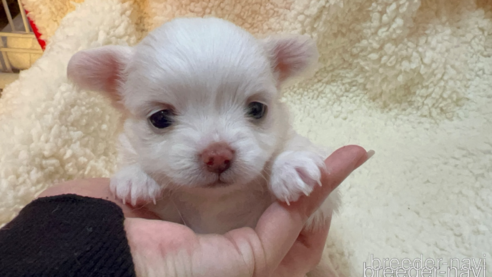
(161, 119)
(257, 110)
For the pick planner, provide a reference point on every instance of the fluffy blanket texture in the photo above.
(410, 79)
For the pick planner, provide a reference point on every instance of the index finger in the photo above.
(280, 225)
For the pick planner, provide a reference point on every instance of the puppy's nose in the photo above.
(217, 157)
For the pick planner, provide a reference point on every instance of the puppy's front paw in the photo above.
(295, 173)
(132, 185)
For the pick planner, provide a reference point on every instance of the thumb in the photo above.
(280, 225)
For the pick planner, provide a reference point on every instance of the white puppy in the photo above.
(206, 137)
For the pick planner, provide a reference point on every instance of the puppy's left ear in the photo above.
(291, 56)
(100, 69)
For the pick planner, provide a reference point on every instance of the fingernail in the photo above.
(362, 160)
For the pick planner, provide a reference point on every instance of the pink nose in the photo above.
(217, 157)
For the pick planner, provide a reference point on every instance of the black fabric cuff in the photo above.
(66, 235)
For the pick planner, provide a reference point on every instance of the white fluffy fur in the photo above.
(207, 71)
(426, 192)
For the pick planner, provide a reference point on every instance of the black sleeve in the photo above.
(66, 235)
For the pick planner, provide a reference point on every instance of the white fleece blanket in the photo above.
(410, 79)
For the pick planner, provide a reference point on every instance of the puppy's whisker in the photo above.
(262, 175)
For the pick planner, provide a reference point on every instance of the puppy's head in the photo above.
(202, 97)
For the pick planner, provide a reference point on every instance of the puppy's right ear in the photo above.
(100, 69)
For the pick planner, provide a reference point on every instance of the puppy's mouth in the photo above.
(218, 183)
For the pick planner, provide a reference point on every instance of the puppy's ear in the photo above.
(291, 56)
(100, 69)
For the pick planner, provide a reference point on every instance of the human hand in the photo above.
(278, 246)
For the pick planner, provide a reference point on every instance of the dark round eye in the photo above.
(256, 110)
(161, 119)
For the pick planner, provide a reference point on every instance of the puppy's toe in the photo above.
(133, 186)
(295, 173)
